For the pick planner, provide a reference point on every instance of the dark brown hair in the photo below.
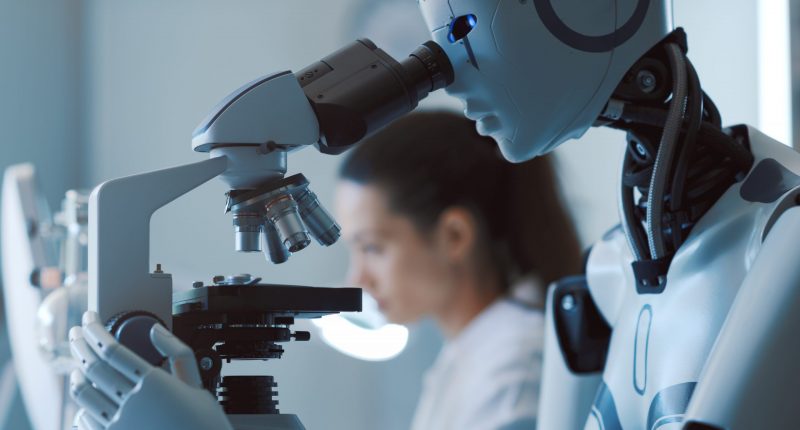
(427, 162)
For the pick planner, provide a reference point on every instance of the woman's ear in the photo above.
(456, 234)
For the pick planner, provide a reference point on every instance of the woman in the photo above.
(441, 226)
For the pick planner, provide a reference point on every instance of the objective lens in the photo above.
(320, 223)
(248, 232)
(274, 249)
(284, 214)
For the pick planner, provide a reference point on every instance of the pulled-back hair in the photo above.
(427, 162)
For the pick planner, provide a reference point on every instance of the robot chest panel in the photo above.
(660, 342)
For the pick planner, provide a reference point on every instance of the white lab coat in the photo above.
(487, 377)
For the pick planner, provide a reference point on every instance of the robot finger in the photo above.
(84, 421)
(181, 357)
(104, 377)
(95, 403)
(90, 317)
(80, 349)
(116, 355)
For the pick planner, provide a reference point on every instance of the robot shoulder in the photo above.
(774, 179)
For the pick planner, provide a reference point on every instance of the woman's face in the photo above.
(406, 271)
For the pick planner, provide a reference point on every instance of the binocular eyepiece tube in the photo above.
(360, 88)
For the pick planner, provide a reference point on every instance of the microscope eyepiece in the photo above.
(360, 88)
(429, 68)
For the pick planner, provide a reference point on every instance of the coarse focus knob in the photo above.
(132, 329)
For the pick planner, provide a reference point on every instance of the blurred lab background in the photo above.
(96, 89)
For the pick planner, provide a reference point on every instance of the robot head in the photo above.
(534, 73)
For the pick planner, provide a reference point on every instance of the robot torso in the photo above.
(660, 342)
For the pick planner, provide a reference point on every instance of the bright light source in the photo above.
(348, 338)
(364, 335)
(774, 88)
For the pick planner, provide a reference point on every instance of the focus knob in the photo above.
(132, 329)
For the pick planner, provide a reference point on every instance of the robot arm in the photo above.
(749, 379)
(576, 342)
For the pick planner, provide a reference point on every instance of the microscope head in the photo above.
(255, 128)
(534, 74)
(331, 104)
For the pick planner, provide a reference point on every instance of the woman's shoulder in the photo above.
(513, 335)
(518, 319)
(504, 371)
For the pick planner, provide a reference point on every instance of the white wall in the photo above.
(39, 92)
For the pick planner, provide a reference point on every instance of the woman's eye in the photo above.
(371, 249)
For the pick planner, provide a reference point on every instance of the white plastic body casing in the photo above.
(718, 346)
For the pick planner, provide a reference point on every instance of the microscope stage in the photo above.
(284, 300)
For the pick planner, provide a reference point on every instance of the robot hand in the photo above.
(118, 390)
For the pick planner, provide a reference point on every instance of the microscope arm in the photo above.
(120, 279)
(748, 380)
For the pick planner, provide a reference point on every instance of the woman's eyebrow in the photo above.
(362, 235)
(369, 233)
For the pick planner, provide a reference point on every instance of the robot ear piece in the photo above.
(461, 26)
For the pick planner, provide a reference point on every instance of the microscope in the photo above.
(331, 104)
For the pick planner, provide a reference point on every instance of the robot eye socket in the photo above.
(461, 26)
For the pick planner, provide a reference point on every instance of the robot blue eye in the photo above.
(461, 26)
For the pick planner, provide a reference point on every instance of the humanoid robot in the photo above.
(685, 316)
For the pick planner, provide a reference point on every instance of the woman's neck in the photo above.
(473, 296)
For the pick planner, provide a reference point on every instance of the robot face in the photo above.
(534, 73)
